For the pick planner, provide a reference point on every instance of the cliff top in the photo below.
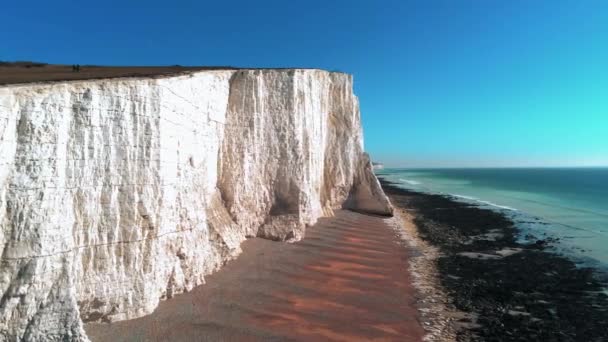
(30, 72)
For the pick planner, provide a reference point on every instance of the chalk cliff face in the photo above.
(115, 194)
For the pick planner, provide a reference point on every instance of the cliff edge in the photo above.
(117, 193)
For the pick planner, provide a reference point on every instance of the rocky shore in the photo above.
(507, 290)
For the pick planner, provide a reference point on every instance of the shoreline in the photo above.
(439, 317)
(504, 289)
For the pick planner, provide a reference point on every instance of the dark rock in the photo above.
(533, 295)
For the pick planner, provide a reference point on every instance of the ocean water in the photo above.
(566, 203)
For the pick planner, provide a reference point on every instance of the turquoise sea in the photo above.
(567, 203)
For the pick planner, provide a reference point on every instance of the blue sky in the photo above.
(441, 83)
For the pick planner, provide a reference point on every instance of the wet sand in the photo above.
(348, 280)
(509, 290)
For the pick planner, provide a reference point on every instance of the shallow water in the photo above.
(567, 203)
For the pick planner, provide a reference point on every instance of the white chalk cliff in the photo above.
(117, 193)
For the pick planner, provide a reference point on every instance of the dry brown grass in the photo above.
(28, 72)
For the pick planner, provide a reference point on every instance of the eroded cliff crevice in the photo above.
(117, 193)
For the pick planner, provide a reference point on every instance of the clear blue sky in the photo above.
(441, 83)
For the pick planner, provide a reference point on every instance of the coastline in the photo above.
(440, 319)
(503, 289)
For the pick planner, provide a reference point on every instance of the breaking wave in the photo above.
(409, 181)
(484, 202)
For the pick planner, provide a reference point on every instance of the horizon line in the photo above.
(499, 167)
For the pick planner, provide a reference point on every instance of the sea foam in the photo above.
(409, 181)
(484, 202)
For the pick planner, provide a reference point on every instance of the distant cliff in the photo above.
(117, 193)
